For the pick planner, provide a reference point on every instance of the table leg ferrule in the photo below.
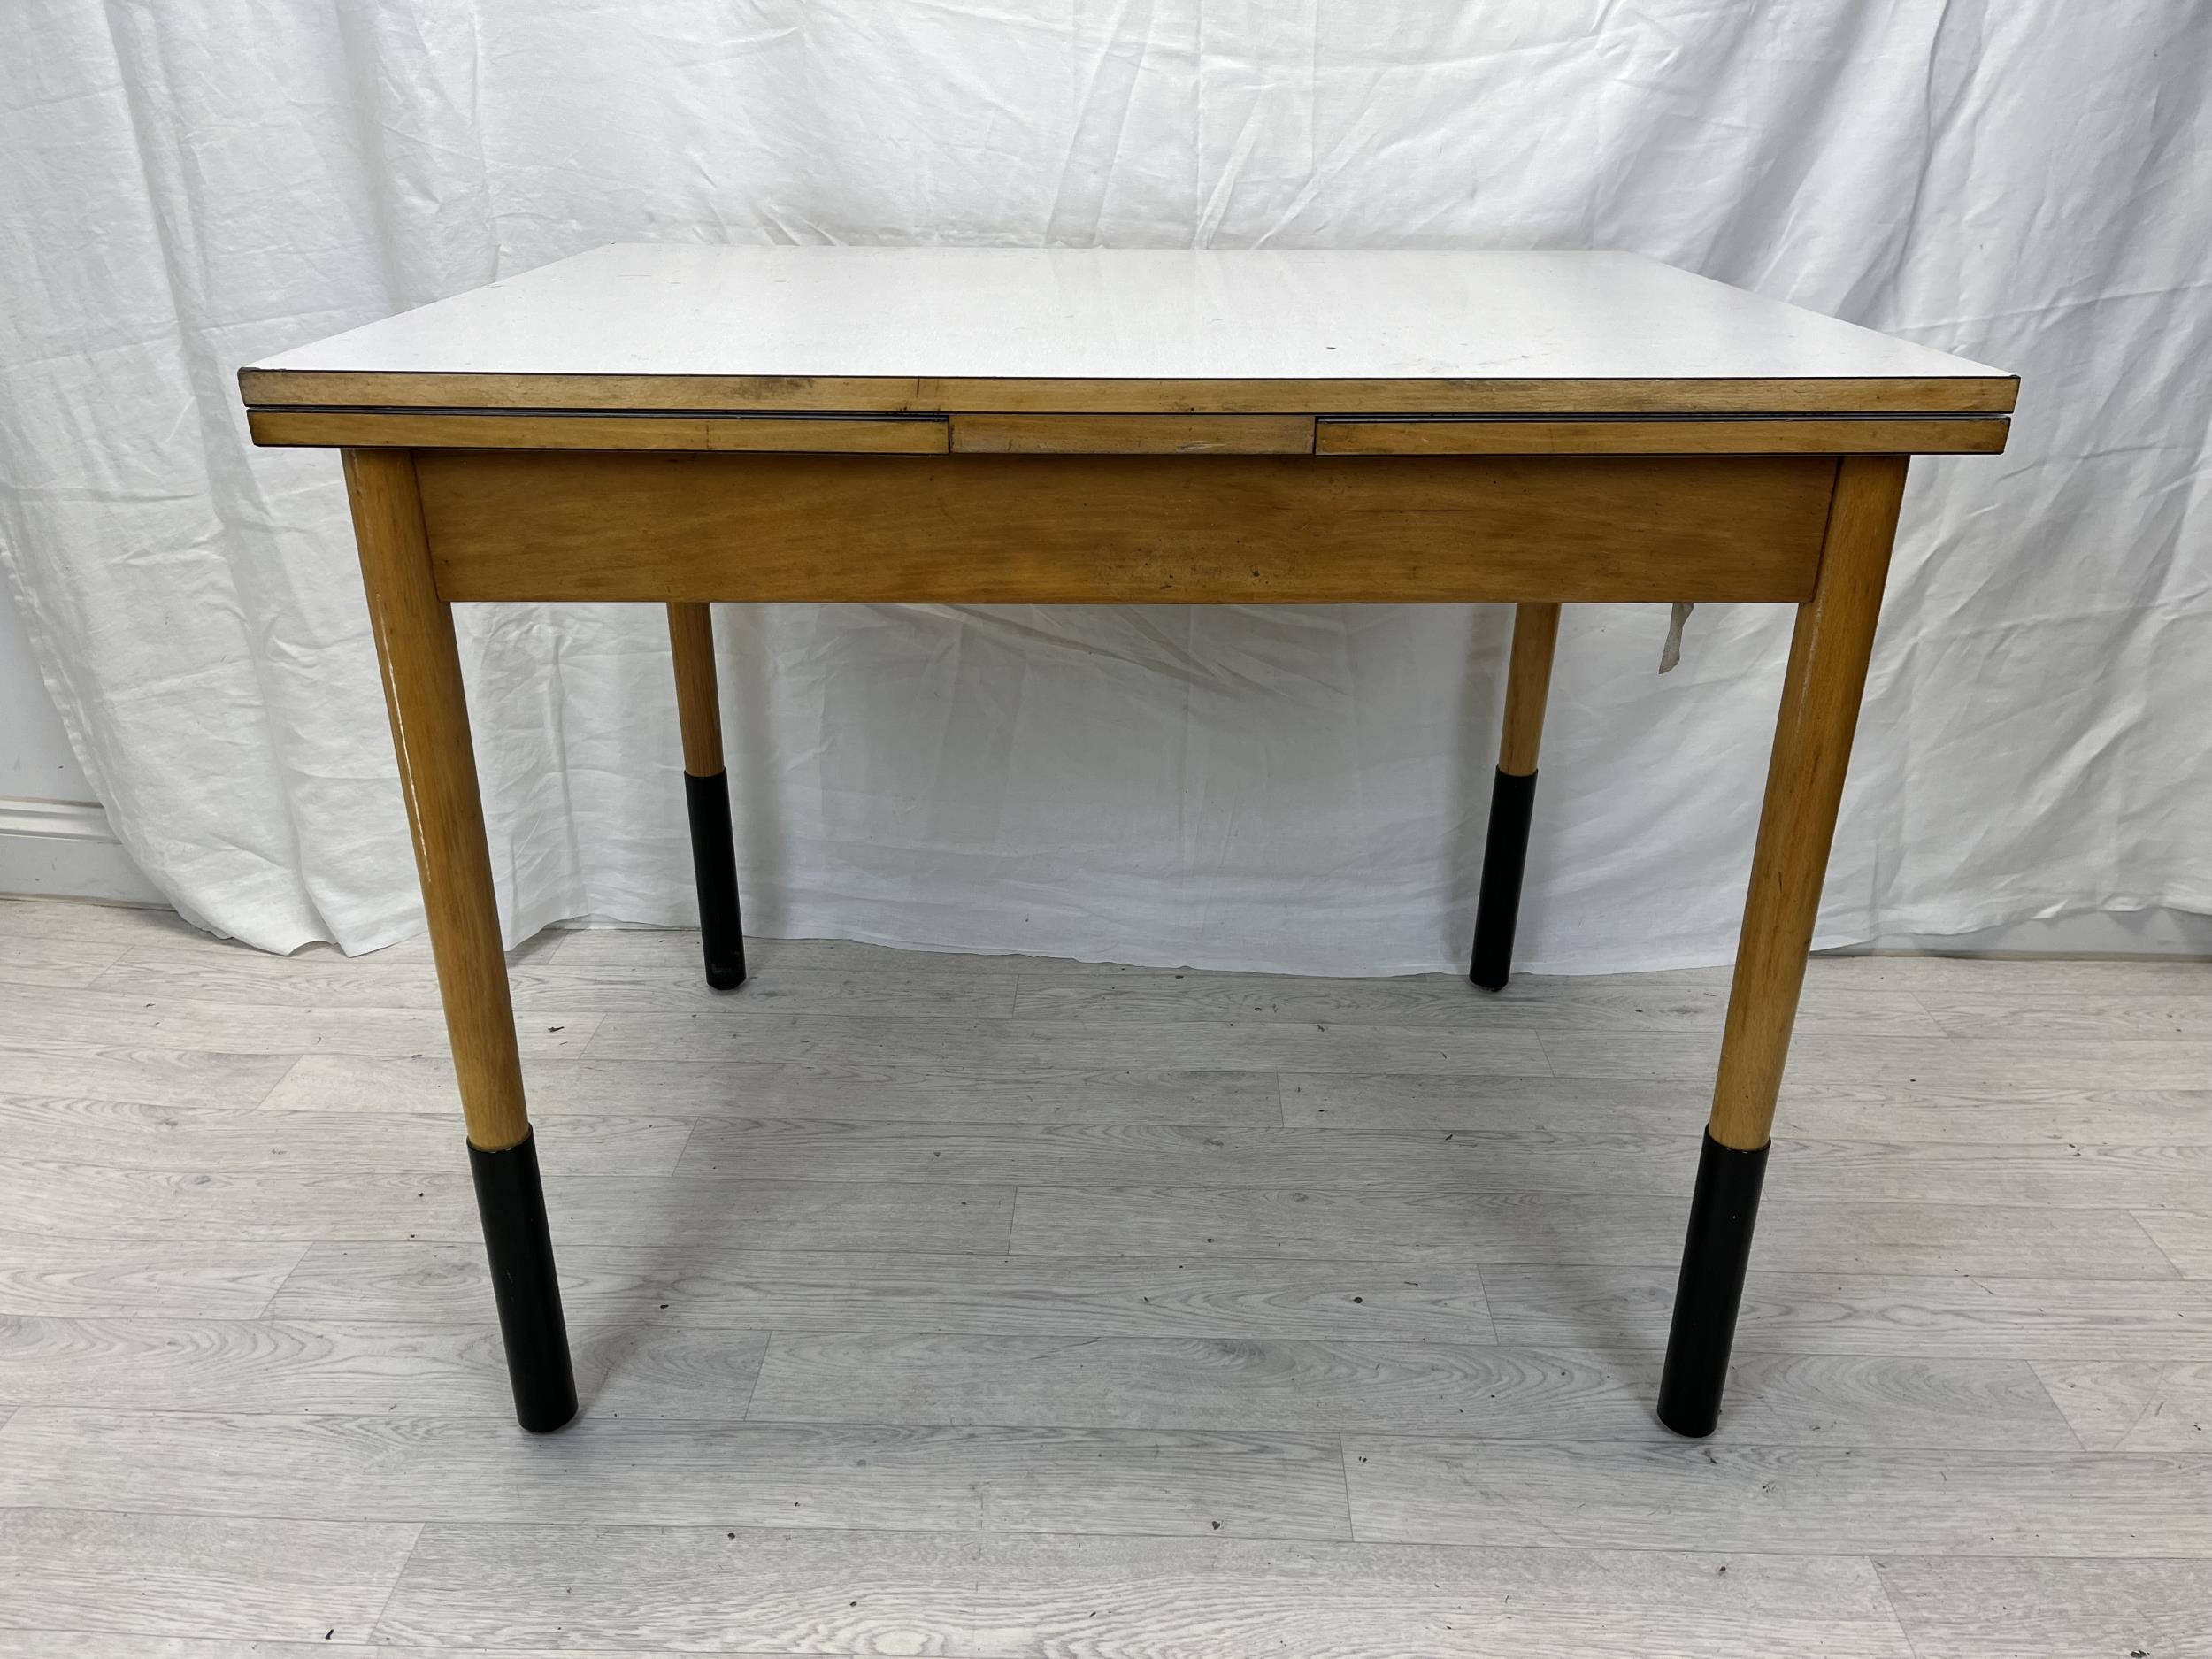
(510, 1202)
(1710, 1290)
(714, 862)
(1504, 859)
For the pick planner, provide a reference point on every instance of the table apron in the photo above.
(1084, 529)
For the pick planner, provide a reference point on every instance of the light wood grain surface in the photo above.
(1047, 432)
(1444, 434)
(421, 666)
(999, 1307)
(698, 699)
(1820, 691)
(1123, 529)
(433, 429)
(1527, 686)
(1132, 435)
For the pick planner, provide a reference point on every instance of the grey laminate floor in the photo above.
(983, 1306)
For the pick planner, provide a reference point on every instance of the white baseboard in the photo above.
(64, 849)
(2153, 933)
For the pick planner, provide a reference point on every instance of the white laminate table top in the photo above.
(683, 326)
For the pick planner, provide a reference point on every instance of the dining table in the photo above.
(683, 425)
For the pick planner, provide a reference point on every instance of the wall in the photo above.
(54, 838)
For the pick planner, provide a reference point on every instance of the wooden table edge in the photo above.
(1000, 433)
(607, 394)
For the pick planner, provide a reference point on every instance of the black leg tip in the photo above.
(1691, 1424)
(1504, 858)
(714, 864)
(1715, 1253)
(519, 1247)
(549, 1420)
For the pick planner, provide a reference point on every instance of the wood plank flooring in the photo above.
(995, 1308)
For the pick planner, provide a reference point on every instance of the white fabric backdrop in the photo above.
(184, 188)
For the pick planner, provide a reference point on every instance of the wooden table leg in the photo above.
(707, 790)
(437, 771)
(1812, 749)
(1513, 794)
